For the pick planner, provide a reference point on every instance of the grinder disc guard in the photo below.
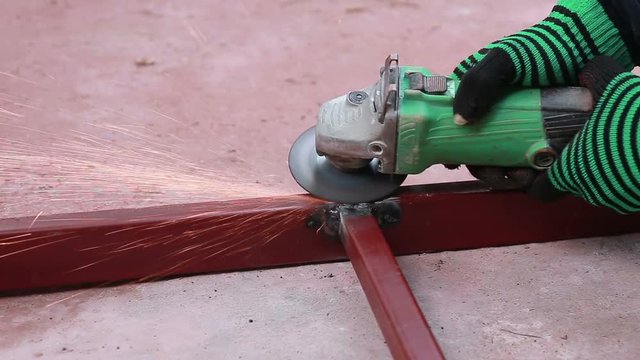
(320, 178)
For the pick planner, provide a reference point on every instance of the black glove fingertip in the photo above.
(482, 85)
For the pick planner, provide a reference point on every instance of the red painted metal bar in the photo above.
(146, 244)
(394, 306)
(151, 243)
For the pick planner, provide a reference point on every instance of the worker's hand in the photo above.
(549, 53)
(602, 163)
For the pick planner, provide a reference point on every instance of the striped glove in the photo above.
(550, 53)
(602, 163)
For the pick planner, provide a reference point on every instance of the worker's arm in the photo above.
(582, 42)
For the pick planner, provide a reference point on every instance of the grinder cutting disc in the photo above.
(320, 178)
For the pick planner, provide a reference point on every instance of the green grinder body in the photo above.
(527, 127)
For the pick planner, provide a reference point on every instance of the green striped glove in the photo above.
(549, 53)
(602, 163)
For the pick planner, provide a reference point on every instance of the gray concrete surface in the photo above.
(576, 299)
(107, 104)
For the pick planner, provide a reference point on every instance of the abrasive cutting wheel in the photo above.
(317, 175)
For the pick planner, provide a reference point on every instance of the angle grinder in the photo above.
(366, 142)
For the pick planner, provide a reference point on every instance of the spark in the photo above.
(87, 169)
(168, 117)
(49, 243)
(91, 264)
(195, 32)
(35, 219)
(5, 111)
(90, 248)
(66, 298)
(17, 77)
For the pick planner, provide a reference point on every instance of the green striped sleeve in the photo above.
(552, 52)
(602, 163)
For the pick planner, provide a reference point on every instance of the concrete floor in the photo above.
(107, 104)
